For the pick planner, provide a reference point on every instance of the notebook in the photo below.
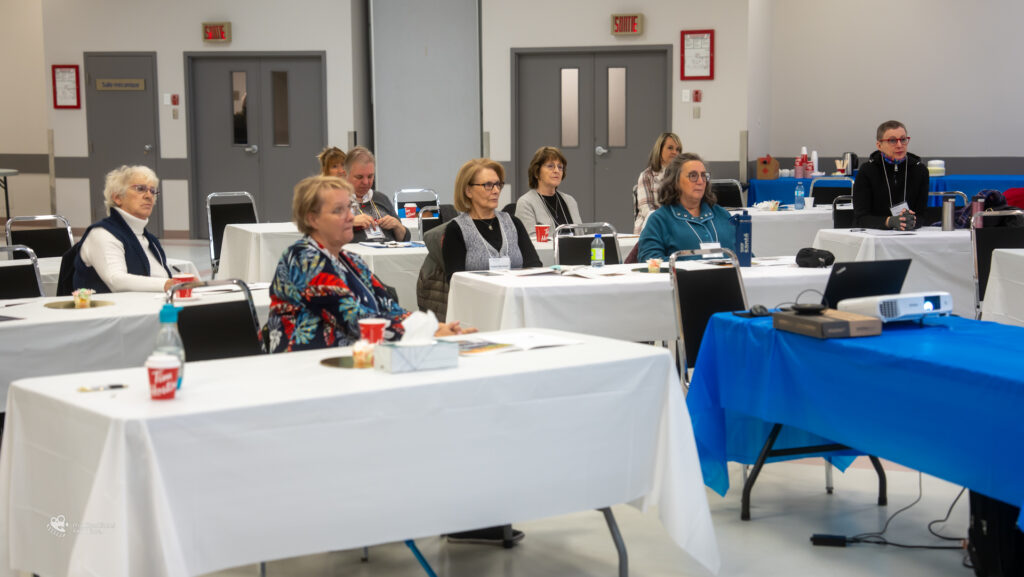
(865, 279)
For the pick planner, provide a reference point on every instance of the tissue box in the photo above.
(402, 358)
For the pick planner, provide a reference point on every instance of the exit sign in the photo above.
(627, 24)
(217, 32)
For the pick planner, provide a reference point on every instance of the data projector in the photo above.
(902, 307)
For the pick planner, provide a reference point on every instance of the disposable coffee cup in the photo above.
(808, 202)
(543, 232)
(163, 373)
(372, 330)
(182, 277)
(410, 210)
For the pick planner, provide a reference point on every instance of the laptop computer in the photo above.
(864, 279)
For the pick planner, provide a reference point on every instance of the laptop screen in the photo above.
(864, 279)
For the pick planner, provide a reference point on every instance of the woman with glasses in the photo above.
(689, 217)
(891, 188)
(320, 291)
(544, 203)
(645, 199)
(118, 254)
(482, 237)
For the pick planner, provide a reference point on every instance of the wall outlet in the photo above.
(687, 97)
(696, 112)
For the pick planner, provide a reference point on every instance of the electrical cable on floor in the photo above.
(946, 518)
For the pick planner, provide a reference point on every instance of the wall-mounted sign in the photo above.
(698, 54)
(123, 84)
(65, 86)
(217, 32)
(627, 24)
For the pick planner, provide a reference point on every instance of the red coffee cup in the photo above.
(410, 210)
(183, 277)
(372, 330)
(163, 376)
(543, 232)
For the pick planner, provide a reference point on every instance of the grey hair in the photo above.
(117, 182)
(358, 155)
(669, 191)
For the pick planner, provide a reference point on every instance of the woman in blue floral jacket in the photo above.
(319, 291)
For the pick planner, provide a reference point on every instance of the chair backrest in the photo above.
(45, 242)
(572, 243)
(729, 192)
(933, 214)
(421, 197)
(828, 192)
(448, 212)
(633, 256)
(222, 209)
(985, 239)
(20, 280)
(701, 293)
(426, 223)
(219, 330)
(509, 208)
(842, 217)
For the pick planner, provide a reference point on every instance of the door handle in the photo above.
(252, 149)
(600, 150)
(147, 148)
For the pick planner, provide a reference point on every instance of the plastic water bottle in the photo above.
(744, 238)
(798, 196)
(168, 340)
(597, 252)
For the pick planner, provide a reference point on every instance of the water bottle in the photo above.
(798, 196)
(168, 340)
(597, 252)
(744, 239)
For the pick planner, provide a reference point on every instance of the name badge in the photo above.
(373, 232)
(899, 208)
(500, 263)
(704, 245)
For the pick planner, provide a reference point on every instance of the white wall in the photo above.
(949, 70)
(759, 74)
(539, 23)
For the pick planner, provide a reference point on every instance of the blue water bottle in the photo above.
(744, 238)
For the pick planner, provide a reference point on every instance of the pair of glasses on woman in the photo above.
(489, 186)
(694, 176)
(143, 189)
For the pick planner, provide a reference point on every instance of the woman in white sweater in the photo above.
(117, 253)
(544, 203)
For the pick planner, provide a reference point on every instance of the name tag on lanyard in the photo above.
(373, 232)
(899, 208)
(499, 263)
(712, 245)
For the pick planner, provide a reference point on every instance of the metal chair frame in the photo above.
(732, 181)
(436, 209)
(247, 293)
(842, 199)
(599, 227)
(415, 191)
(214, 253)
(31, 256)
(56, 217)
(810, 192)
(984, 262)
(934, 213)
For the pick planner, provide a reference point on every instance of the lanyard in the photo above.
(364, 294)
(906, 177)
(714, 230)
(559, 207)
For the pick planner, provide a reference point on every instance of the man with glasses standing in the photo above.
(891, 188)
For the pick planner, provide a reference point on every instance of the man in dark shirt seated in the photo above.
(891, 188)
(376, 219)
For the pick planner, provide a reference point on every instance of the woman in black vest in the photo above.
(117, 253)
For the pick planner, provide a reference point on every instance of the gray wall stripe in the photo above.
(78, 167)
(26, 163)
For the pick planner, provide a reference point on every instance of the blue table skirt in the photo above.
(945, 397)
(971, 184)
(781, 189)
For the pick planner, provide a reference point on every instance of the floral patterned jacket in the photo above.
(316, 300)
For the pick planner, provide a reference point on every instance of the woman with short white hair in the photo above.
(118, 254)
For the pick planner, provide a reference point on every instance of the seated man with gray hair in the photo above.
(376, 219)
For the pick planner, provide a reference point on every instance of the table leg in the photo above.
(7, 202)
(620, 545)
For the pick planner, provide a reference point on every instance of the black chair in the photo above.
(842, 211)
(219, 330)
(509, 208)
(222, 209)
(991, 230)
(20, 280)
(448, 212)
(426, 223)
(729, 192)
(827, 194)
(933, 214)
(572, 243)
(421, 197)
(46, 242)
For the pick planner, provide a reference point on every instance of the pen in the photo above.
(100, 388)
(176, 269)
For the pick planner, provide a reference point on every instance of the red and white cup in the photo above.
(543, 232)
(180, 278)
(372, 330)
(163, 373)
(410, 210)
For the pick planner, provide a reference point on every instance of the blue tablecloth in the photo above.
(971, 184)
(945, 398)
(781, 189)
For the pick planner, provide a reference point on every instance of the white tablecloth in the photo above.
(1004, 296)
(784, 232)
(49, 271)
(44, 341)
(635, 306)
(278, 456)
(942, 260)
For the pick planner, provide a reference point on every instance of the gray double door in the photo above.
(257, 124)
(603, 109)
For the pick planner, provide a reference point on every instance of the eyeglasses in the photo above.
(553, 166)
(895, 141)
(489, 186)
(694, 176)
(143, 189)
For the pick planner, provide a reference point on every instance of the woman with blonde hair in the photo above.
(645, 199)
(332, 161)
